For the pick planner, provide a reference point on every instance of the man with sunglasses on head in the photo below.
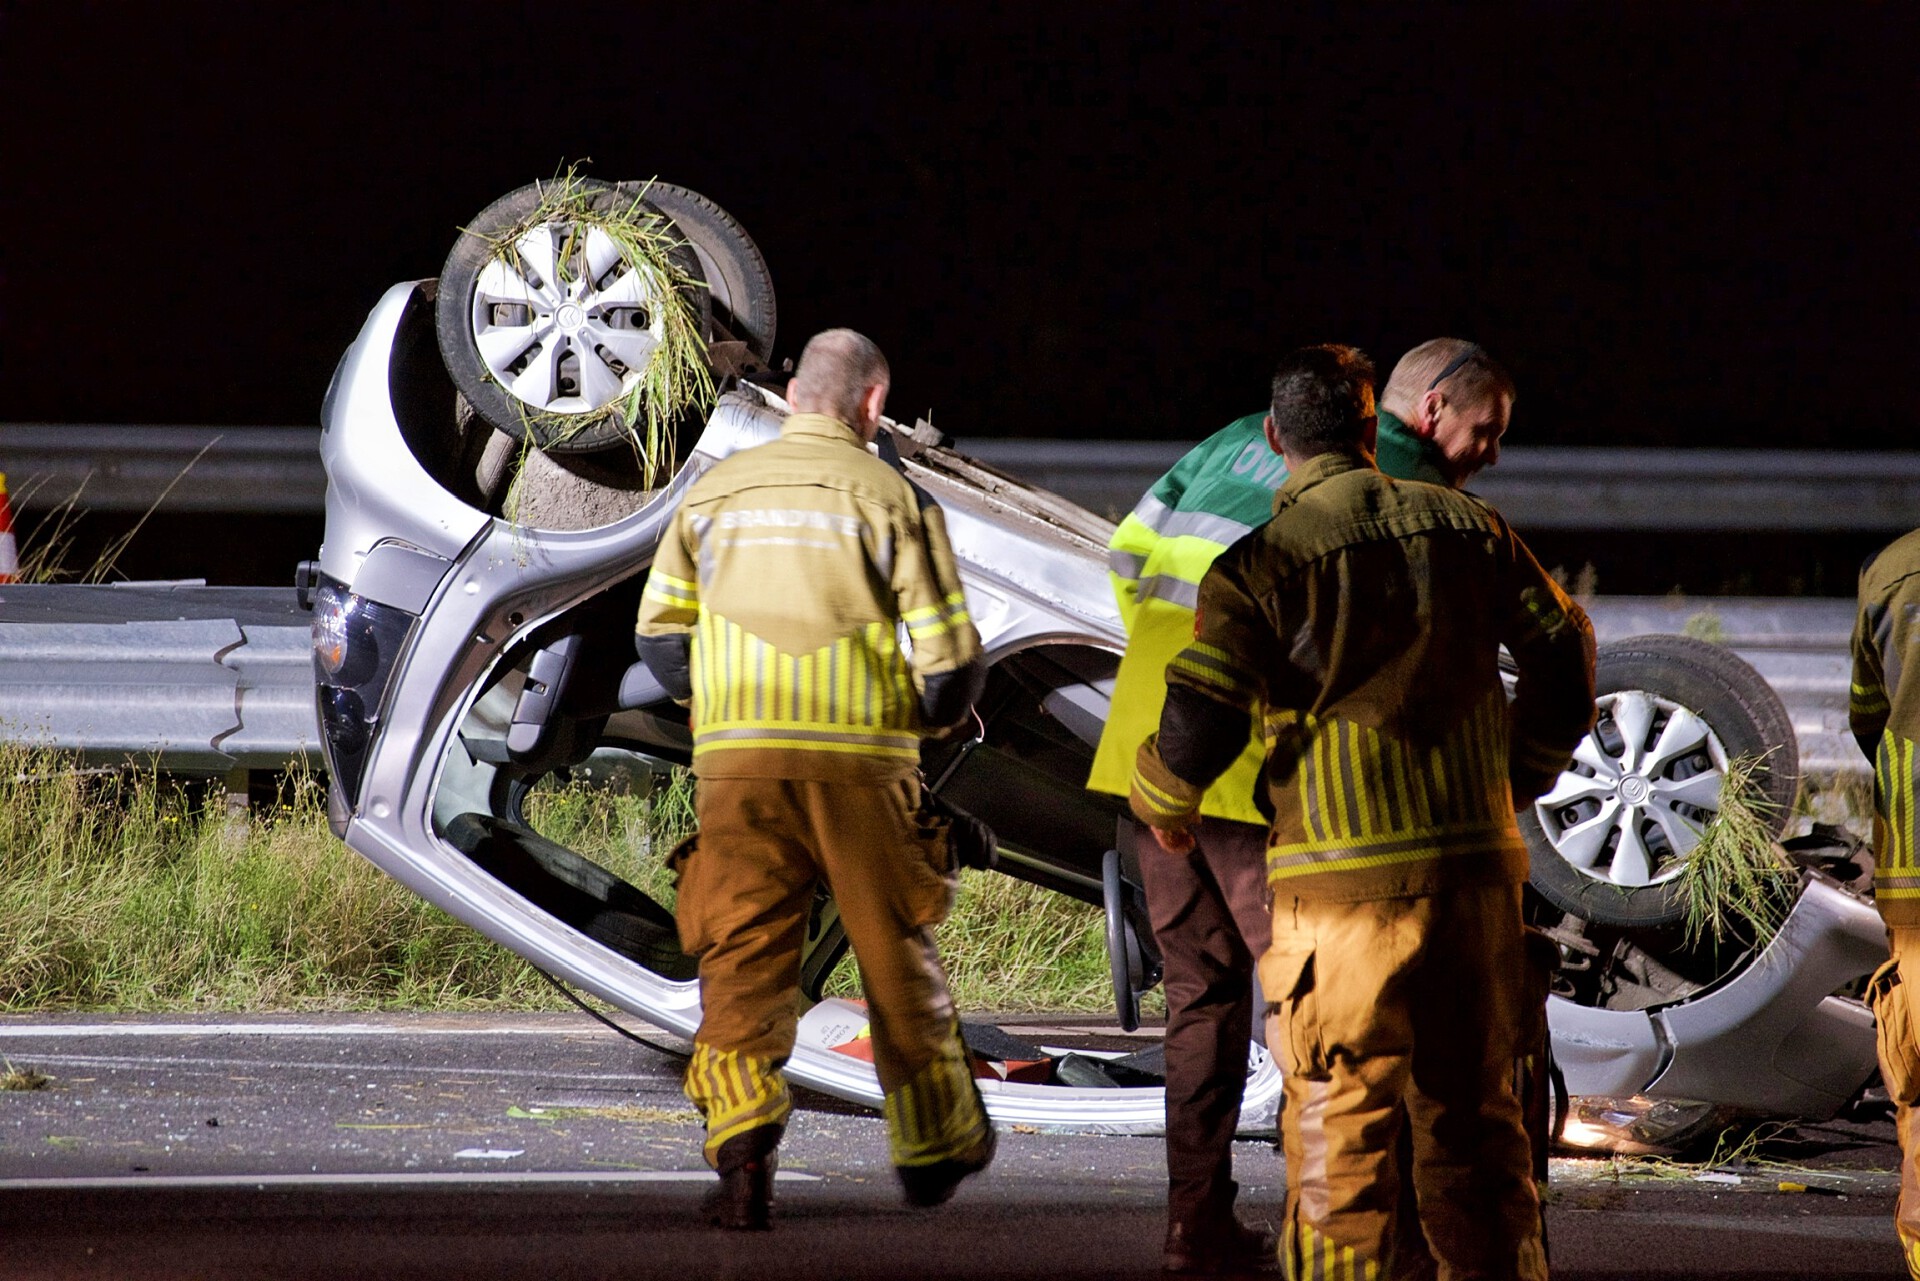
(1441, 417)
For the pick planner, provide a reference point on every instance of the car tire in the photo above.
(738, 282)
(1666, 675)
(555, 425)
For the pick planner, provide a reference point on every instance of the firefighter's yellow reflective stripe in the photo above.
(1544, 609)
(1161, 801)
(1894, 863)
(1366, 801)
(810, 738)
(1307, 1255)
(1357, 763)
(671, 591)
(1868, 699)
(937, 620)
(1358, 788)
(851, 695)
(735, 1093)
(1214, 667)
(936, 1115)
(1346, 854)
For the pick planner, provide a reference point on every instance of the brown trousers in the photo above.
(1397, 1022)
(745, 893)
(1895, 996)
(1211, 920)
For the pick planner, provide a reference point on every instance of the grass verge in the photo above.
(120, 890)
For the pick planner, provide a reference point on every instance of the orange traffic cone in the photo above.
(9, 550)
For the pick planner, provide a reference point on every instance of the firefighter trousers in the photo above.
(746, 891)
(1211, 920)
(1894, 993)
(1397, 1023)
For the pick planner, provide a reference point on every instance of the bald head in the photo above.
(1451, 393)
(843, 375)
(1465, 371)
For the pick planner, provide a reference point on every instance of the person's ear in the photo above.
(1426, 417)
(873, 404)
(1273, 436)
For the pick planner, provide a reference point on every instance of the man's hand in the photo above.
(1173, 842)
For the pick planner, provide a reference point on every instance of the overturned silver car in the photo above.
(462, 655)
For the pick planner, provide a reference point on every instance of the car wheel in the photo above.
(1610, 839)
(737, 278)
(545, 341)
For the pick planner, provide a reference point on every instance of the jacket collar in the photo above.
(1405, 454)
(820, 425)
(1316, 469)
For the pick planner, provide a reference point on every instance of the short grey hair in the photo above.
(836, 369)
(1477, 377)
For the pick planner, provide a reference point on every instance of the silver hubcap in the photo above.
(565, 323)
(1644, 784)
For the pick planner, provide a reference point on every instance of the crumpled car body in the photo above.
(452, 646)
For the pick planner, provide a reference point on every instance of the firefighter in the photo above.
(1361, 627)
(1443, 412)
(775, 604)
(1885, 713)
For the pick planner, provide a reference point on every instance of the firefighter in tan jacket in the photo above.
(1361, 626)
(775, 604)
(1885, 715)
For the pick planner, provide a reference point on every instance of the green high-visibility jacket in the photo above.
(1219, 492)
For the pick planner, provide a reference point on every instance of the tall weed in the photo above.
(122, 890)
(126, 891)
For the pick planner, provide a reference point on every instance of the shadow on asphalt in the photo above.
(826, 1231)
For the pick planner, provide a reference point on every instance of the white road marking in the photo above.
(426, 1070)
(34, 1031)
(375, 1180)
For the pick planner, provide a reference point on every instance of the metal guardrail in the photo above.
(1539, 487)
(103, 467)
(1799, 646)
(202, 679)
(209, 679)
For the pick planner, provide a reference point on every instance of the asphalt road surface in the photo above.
(548, 1148)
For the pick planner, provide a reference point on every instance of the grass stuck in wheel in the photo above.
(676, 378)
(1736, 881)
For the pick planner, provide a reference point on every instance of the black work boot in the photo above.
(1221, 1247)
(926, 1186)
(744, 1200)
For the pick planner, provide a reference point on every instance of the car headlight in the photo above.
(330, 629)
(356, 643)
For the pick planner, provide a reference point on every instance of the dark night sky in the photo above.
(1679, 224)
